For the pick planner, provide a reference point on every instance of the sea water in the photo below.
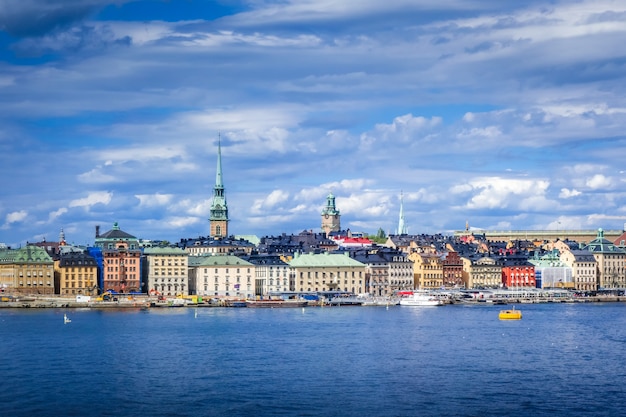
(459, 360)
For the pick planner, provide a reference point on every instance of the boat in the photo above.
(66, 319)
(419, 299)
(276, 303)
(379, 301)
(511, 314)
(345, 301)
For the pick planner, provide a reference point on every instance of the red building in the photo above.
(518, 272)
(452, 270)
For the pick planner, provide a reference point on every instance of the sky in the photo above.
(494, 114)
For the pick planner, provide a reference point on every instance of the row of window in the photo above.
(34, 273)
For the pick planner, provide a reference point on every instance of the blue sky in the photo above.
(505, 115)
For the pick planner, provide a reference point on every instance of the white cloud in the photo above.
(599, 181)
(496, 192)
(567, 193)
(16, 216)
(97, 197)
(181, 222)
(273, 199)
(56, 214)
(154, 200)
(96, 176)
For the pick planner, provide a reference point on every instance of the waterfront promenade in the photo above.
(145, 301)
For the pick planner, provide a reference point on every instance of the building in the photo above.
(517, 272)
(272, 274)
(481, 272)
(386, 270)
(76, 272)
(427, 270)
(610, 262)
(582, 236)
(551, 271)
(216, 246)
(218, 220)
(28, 270)
(222, 276)
(314, 272)
(165, 270)
(331, 219)
(452, 270)
(584, 268)
(121, 261)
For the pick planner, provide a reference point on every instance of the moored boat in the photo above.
(276, 303)
(419, 299)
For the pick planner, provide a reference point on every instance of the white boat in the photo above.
(379, 301)
(421, 299)
(66, 319)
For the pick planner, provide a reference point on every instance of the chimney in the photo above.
(97, 231)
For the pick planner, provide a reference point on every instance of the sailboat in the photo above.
(66, 319)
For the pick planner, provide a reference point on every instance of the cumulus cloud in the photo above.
(599, 181)
(567, 193)
(497, 192)
(96, 197)
(154, 200)
(16, 216)
(273, 199)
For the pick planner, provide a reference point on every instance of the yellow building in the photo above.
(611, 262)
(481, 272)
(427, 270)
(76, 272)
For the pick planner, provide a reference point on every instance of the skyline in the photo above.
(504, 116)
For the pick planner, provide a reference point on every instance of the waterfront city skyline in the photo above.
(505, 116)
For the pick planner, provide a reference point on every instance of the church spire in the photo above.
(401, 225)
(218, 173)
(219, 209)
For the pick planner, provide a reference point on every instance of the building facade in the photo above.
(481, 272)
(427, 270)
(452, 270)
(165, 271)
(76, 272)
(121, 261)
(387, 271)
(27, 270)
(222, 276)
(610, 262)
(272, 274)
(327, 272)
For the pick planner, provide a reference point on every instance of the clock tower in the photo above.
(330, 216)
(219, 209)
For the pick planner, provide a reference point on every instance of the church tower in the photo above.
(401, 226)
(330, 216)
(219, 209)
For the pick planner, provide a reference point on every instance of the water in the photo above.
(349, 361)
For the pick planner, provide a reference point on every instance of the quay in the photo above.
(145, 301)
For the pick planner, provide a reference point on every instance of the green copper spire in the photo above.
(218, 174)
(219, 208)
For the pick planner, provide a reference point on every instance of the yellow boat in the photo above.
(512, 314)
